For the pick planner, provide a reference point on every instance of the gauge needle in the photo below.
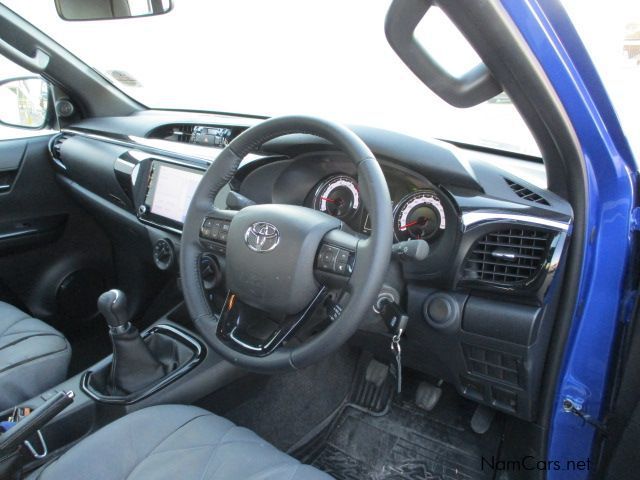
(327, 199)
(411, 224)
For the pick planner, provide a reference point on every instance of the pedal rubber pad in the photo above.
(427, 396)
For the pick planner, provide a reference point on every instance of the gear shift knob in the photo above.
(113, 306)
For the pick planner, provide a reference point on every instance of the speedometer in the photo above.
(338, 196)
(419, 216)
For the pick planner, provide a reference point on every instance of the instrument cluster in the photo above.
(418, 214)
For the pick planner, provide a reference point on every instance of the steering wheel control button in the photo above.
(223, 231)
(335, 260)
(214, 229)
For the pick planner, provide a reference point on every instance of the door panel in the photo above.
(54, 258)
(10, 163)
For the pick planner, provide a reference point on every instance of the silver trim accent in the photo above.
(248, 346)
(506, 255)
(138, 145)
(470, 219)
(126, 166)
(159, 226)
(141, 155)
(173, 149)
(18, 233)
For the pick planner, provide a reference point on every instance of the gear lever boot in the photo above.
(133, 366)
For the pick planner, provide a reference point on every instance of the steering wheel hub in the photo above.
(275, 276)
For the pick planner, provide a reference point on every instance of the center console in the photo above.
(166, 363)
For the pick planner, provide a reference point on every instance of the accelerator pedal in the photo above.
(427, 396)
(482, 419)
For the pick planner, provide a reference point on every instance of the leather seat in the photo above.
(33, 356)
(175, 441)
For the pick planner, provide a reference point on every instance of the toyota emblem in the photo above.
(262, 237)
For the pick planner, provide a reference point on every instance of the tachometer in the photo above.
(419, 216)
(338, 196)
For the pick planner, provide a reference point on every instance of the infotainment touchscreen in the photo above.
(170, 190)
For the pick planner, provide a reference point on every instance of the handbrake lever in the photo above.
(32, 423)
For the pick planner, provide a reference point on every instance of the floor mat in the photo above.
(405, 443)
(283, 408)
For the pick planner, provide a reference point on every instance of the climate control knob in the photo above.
(163, 254)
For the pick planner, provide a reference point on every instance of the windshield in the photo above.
(327, 58)
(611, 35)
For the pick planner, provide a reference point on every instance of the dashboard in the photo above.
(481, 304)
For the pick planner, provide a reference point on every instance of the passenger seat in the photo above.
(33, 356)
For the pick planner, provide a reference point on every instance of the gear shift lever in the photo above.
(133, 366)
(113, 306)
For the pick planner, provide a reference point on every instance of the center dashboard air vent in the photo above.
(208, 136)
(508, 257)
(525, 193)
(182, 133)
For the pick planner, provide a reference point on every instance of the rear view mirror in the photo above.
(110, 9)
(24, 102)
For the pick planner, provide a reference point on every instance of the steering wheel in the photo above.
(280, 261)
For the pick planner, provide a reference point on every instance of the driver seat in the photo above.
(175, 441)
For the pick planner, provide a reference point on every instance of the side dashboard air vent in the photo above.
(56, 147)
(526, 194)
(509, 257)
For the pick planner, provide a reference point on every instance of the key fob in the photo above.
(395, 318)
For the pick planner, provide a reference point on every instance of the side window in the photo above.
(24, 101)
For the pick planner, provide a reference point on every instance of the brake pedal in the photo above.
(373, 388)
(482, 419)
(428, 396)
(376, 373)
